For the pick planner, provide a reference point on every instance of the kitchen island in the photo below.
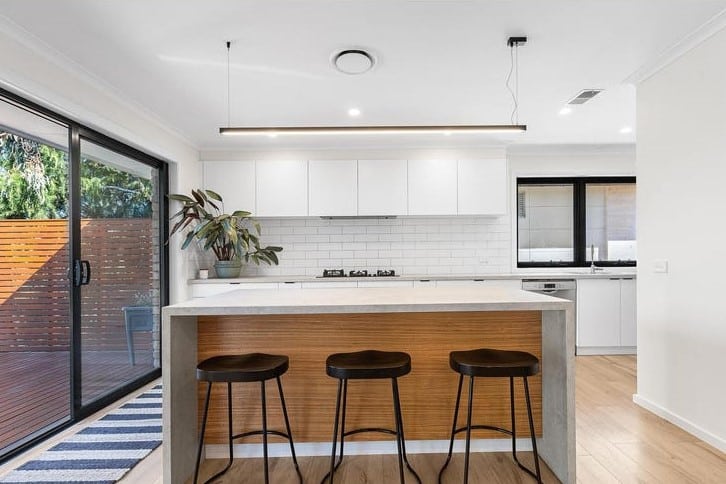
(309, 324)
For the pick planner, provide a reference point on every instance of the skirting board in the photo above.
(686, 425)
(220, 451)
(606, 350)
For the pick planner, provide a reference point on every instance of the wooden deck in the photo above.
(35, 386)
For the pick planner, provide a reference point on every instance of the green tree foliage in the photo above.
(34, 184)
(110, 193)
(33, 179)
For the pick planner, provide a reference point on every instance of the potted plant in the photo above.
(233, 238)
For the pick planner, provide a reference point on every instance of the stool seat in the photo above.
(494, 363)
(369, 364)
(249, 367)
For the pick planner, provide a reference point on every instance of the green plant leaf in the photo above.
(180, 198)
(214, 195)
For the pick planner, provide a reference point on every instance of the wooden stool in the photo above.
(253, 367)
(489, 363)
(368, 365)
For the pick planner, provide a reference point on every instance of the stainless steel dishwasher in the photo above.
(563, 288)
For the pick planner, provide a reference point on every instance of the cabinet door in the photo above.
(432, 187)
(628, 313)
(382, 187)
(385, 283)
(234, 180)
(503, 283)
(282, 188)
(482, 187)
(333, 188)
(598, 312)
(328, 284)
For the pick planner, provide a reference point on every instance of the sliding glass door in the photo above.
(82, 271)
(35, 317)
(120, 241)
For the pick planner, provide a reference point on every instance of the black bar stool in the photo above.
(253, 367)
(493, 363)
(368, 365)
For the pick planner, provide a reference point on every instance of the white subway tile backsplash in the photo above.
(410, 245)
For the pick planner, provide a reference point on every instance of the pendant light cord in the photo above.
(228, 97)
(514, 60)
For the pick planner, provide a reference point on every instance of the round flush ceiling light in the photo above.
(353, 61)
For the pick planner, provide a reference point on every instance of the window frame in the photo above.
(579, 226)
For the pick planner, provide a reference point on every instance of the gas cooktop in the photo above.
(358, 273)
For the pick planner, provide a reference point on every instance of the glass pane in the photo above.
(119, 238)
(545, 223)
(610, 210)
(35, 323)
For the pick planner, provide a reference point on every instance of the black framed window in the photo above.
(568, 222)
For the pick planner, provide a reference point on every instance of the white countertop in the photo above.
(367, 300)
(569, 274)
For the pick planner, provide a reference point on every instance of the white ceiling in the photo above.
(438, 62)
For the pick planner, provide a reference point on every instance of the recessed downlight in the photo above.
(353, 61)
(565, 111)
(354, 112)
(626, 130)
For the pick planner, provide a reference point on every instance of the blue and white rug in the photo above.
(102, 452)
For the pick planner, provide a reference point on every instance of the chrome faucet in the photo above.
(593, 267)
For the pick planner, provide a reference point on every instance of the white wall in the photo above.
(32, 70)
(681, 203)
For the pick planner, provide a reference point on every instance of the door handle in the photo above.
(81, 273)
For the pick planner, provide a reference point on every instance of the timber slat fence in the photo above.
(34, 284)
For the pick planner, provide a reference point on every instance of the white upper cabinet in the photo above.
(333, 188)
(482, 187)
(382, 187)
(432, 187)
(234, 180)
(282, 188)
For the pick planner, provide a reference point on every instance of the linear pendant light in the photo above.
(274, 131)
(333, 130)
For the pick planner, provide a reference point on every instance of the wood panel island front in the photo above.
(309, 324)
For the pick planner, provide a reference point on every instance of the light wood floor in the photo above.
(617, 441)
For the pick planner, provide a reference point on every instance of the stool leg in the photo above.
(397, 417)
(289, 431)
(531, 431)
(468, 430)
(201, 437)
(264, 430)
(453, 427)
(514, 420)
(342, 423)
(229, 426)
(335, 433)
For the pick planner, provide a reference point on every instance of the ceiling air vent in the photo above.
(584, 96)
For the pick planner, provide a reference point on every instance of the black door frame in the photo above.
(76, 132)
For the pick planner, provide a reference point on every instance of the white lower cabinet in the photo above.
(212, 289)
(328, 285)
(379, 283)
(628, 313)
(606, 319)
(507, 283)
(290, 285)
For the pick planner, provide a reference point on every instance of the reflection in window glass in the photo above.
(545, 223)
(610, 210)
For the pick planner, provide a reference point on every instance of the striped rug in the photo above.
(102, 452)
